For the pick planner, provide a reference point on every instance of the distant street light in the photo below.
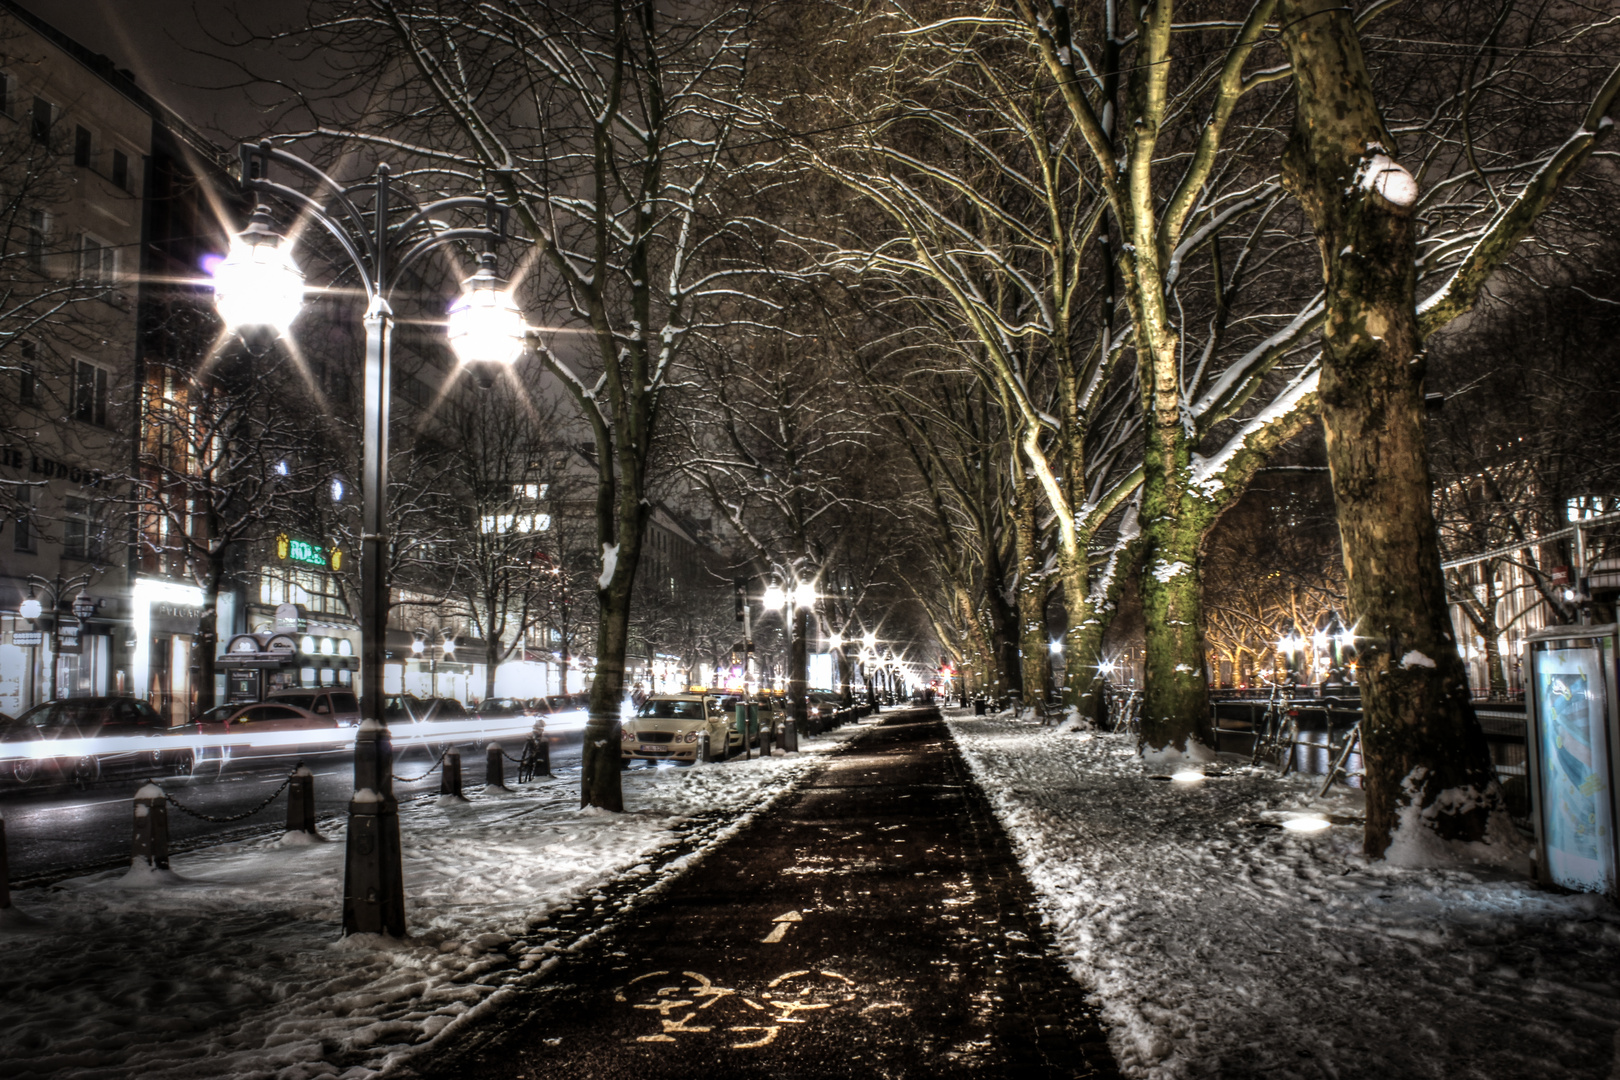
(259, 287)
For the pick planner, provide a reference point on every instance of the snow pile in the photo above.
(231, 966)
(1222, 942)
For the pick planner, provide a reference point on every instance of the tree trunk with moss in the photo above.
(1175, 699)
(1424, 748)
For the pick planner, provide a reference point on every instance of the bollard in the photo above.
(495, 768)
(790, 736)
(5, 869)
(765, 740)
(450, 777)
(703, 748)
(301, 801)
(151, 843)
(544, 746)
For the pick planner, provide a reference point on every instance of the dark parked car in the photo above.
(145, 744)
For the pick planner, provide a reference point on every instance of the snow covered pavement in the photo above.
(1220, 944)
(232, 967)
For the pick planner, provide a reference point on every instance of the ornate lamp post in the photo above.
(259, 289)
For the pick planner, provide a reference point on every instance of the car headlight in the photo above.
(626, 735)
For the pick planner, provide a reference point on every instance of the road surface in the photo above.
(54, 832)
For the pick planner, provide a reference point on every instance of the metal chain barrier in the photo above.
(200, 816)
(424, 776)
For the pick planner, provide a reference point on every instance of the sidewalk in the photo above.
(1223, 944)
(875, 923)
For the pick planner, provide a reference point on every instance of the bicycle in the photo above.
(535, 760)
(1277, 732)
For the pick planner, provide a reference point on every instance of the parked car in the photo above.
(408, 708)
(95, 718)
(270, 729)
(666, 728)
(503, 708)
(334, 701)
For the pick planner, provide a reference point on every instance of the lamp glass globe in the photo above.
(257, 284)
(485, 324)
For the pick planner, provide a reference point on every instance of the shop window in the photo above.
(90, 394)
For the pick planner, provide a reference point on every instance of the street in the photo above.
(52, 832)
(874, 923)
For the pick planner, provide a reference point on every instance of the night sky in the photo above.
(164, 42)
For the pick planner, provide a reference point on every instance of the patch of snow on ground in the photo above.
(233, 968)
(1222, 945)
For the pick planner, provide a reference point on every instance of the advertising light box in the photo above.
(1573, 738)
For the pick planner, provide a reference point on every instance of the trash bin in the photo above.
(979, 706)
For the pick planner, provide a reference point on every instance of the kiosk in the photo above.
(1573, 738)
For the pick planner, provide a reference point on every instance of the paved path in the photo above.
(875, 924)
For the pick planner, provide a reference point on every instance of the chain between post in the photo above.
(200, 816)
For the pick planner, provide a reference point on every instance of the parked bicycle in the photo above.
(535, 761)
(1277, 731)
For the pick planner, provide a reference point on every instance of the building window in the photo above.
(98, 260)
(90, 394)
(27, 379)
(22, 537)
(6, 102)
(83, 146)
(39, 227)
(83, 536)
(120, 169)
(43, 119)
(317, 592)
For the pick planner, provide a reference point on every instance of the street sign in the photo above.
(25, 638)
(67, 640)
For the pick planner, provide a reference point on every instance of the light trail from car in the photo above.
(411, 733)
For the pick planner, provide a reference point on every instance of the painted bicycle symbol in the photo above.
(690, 1006)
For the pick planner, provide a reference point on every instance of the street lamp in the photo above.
(259, 287)
(1291, 645)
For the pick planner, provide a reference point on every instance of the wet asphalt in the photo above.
(875, 924)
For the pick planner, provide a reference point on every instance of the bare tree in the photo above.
(506, 463)
(605, 127)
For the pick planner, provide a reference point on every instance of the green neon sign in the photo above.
(295, 550)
